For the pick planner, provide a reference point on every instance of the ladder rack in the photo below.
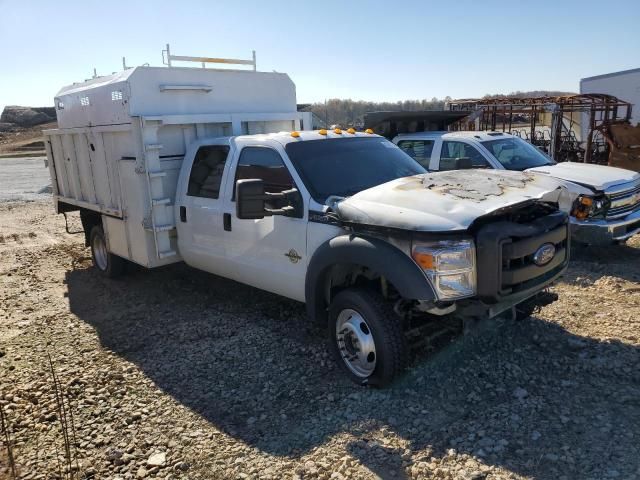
(168, 57)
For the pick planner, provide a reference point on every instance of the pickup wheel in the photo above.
(366, 337)
(106, 263)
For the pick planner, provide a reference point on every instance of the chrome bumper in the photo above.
(602, 232)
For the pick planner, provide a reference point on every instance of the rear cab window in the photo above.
(419, 150)
(207, 170)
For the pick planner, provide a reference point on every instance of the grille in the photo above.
(519, 271)
(624, 203)
(506, 255)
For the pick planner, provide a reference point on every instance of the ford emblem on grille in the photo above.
(544, 254)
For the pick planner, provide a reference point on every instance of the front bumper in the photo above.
(604, 232)
(478, 308)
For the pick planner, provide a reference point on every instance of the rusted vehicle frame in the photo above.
(500, 112)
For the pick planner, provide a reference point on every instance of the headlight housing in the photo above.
(450, 265)
(588, 206)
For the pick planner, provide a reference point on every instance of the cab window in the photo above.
(419, 150)
(452, 151)
(206, 171)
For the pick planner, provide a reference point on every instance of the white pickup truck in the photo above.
(606, 205)
(177, 164)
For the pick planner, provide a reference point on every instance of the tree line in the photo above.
(347, 112)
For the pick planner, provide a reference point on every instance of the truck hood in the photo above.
(446, 201)
(597, 177)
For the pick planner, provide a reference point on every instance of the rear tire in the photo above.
(366, 337)
(106, 263)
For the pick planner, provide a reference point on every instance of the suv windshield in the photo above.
(346, 166)
(516, 154)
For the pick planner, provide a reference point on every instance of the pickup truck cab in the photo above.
(214, 168)
(606, 199)
(352, 226)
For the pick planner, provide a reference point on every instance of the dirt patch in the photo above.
(174, 373)
(21, 140)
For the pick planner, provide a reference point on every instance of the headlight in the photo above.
(582, 207)
(450, 265)
(588, 206)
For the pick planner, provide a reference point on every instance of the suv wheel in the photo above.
(366, 337)
(106, 263)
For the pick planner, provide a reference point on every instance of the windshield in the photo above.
(516, 154)
(346, 166)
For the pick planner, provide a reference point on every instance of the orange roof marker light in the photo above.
(295, 134)
(338, 131)
(368, 130)
(351, 130)
(322, 132)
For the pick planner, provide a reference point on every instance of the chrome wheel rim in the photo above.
(99, 252)
(355, 343)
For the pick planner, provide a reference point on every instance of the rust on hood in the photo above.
(476, 185)
(448, 201)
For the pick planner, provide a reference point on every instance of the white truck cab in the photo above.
(215, 168)
(606, 199)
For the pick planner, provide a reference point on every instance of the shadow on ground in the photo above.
(249, 363)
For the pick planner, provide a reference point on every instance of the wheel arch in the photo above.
(371, 253)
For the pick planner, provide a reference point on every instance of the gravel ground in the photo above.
(174, 373)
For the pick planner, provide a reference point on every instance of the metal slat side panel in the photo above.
(101, 176)
(188, 134)
(61, 170)
(105, 140)
(135, 189)
(134, 198)
(72, 166)
(51, 165)
(85, 167)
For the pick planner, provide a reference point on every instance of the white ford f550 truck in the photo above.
(606, 205)
(185, 164)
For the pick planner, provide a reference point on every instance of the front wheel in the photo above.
(105, 262)
(366, 337)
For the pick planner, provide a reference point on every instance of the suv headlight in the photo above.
(450, 265)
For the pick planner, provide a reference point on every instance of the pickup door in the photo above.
(269, 253)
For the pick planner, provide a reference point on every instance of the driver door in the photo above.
(269, 253)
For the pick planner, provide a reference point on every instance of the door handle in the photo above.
(226, 220)
(183, 214)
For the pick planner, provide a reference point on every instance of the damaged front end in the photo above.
(486, 241)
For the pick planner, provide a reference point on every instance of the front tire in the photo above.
(106, 263)
(366, 337)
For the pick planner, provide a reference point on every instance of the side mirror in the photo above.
(464, 163)
(251, 198)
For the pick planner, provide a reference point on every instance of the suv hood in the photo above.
(597, 177)
(444, 201)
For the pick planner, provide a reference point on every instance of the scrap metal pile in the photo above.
(569, 128)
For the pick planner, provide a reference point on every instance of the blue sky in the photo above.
(374, 50)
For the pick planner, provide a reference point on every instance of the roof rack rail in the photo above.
(167, 58)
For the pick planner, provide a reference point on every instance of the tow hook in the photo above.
(534, 304)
